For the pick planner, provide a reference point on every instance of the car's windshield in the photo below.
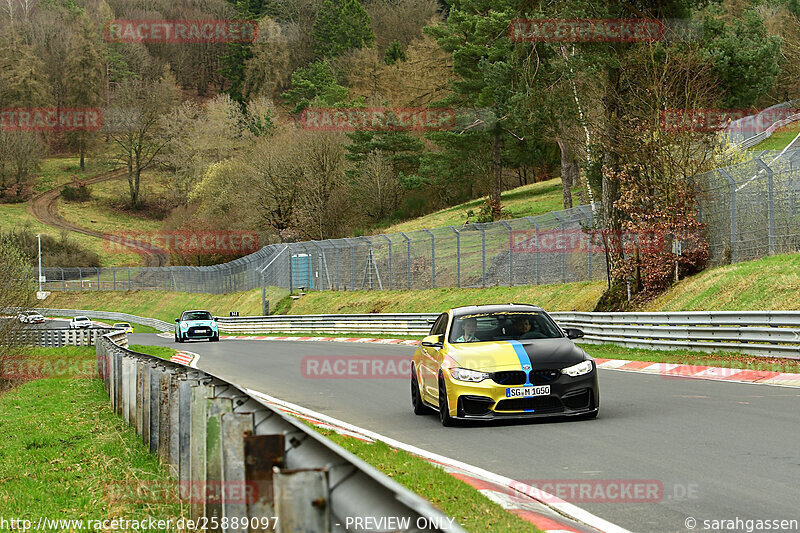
(81, 319)
(479, 327)
(196, 315)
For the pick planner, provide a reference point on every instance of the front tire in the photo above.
(178, 338)
(444, 408)
(416, 398)
(215, 338)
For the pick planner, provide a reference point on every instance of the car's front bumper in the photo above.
(487, 400)
(199, 332)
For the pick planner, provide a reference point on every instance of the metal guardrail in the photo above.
(213, 433)
(383, 323)
(109, 315)
(58, 337)
(763, 333)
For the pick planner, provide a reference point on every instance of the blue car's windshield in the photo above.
(480, 327)
(196, 315)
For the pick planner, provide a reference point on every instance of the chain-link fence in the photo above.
(751, 210)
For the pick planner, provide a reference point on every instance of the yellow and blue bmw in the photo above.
(509, 361)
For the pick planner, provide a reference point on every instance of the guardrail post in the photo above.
(302, 500)
(186, 384)
(126, 390)
(216, 407)
(408, 257)
(140, 372)
(234, 427)
(155, 403)
(197, 448)
(145, 433)
(458, 255)
(164, 418)
(483, 253)
(770, 204)
(262, 453)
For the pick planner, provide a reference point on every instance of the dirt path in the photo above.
(43, 207)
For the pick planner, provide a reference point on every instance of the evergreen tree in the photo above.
(340, 26)
(84, 82)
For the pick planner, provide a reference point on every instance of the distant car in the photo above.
(30, 317)
(80, 322)
(123, 325)
(510, 361)
(196, 325)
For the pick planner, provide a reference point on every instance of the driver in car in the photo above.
(522, 326)
(470, 325)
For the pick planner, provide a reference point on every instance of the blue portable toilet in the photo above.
(302, 275)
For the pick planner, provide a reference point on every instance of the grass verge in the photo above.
(770, 283)
(528, 200)
(62, 446)
(157, 351)
(470, 508)
(166, 306)
(581, 296)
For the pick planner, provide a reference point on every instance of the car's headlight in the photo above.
(578, 370)
(463, 374)
(184, 325)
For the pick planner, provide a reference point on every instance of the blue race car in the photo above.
(196, 325)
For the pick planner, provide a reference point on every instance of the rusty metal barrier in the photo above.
(212, 433)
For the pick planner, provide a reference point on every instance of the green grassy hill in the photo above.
(528, 200)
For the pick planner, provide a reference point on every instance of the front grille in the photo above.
(200, 331)
(539, 404)
(544, 377)
(474, 405)
(509, 377)
(578, 400)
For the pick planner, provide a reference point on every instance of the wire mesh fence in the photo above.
(750, 210)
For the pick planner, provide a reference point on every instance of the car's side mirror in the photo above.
(432, 341)
(574, 333)
(177, 320)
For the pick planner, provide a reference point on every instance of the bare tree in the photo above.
(375, 187)
(140, 131)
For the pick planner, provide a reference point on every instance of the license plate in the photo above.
(202, 330)
(525, 392)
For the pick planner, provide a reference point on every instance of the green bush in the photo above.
(79, 193)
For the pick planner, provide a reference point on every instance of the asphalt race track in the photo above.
(721, 450)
